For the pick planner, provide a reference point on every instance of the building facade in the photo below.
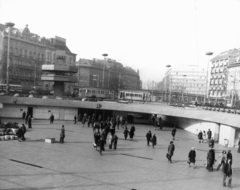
(184, 83)
(28, 52)
(106, 74)
(224, 75)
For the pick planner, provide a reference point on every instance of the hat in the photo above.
(171, 142)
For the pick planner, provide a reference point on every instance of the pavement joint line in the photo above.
(136, 156)
(25, 163)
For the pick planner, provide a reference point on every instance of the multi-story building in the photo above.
(28, 52)
(224, 75)
(184, 83)
(106, 74)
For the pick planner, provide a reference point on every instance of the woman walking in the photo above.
(222, 159)
(192, 157)
(154, 140)
(62, 134)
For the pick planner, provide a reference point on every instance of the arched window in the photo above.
(39, 56)
(34, 55)
(20, 52)
(11, 49)
(30, 54)
(25, 53)
(16, 51)
(5, 48)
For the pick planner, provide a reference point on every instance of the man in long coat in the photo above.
(210, 159)
(171, 149)
(192, 157)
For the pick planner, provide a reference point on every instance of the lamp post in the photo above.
(104, 55)
(9, 25)
(170, 86)
(206, 93)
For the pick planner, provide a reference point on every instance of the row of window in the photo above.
(25, 63)
(21, 73)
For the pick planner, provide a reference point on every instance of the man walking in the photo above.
(149, 137)
(51, 118)
(171, 149)
(174, 132)
(227, 173)
(75, 119)
(209, 134)
(62, 134)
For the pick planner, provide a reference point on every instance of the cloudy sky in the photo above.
(143, 34)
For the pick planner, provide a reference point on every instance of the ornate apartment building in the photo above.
(106, 74)
(28, 52)
(223, 74)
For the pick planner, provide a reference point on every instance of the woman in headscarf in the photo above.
(192, 157)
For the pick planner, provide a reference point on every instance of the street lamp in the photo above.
(208, 54)
(9, 25)
(104, 55)
(170, 84)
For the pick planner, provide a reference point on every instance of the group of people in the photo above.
(204, 137)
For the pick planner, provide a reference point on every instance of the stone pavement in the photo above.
(76, 165)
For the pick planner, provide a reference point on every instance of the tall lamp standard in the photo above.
(206, 93)
(170, 78)
(104, 55)
(9, 25)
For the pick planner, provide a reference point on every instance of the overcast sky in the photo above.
(143, 34)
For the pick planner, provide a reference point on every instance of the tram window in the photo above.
(88, 91)
(93, 91)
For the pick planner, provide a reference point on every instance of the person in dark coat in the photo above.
(238, 146)
(125, 132)
(24, 130)
(229, 157)
(100, 145)
(96, 138)
(24, 115)
(154, 140)
(192, 157)
(210, 159)
(227, 174)
(171, 149)
(93, 119)
(29, 121)
(200, 136)
(20, 134)
(131, 133)
(209, 134)
(222, 160)
(88, 121)
(75, 119)
(211, 143)
(62, 134)
(114, 141)
(26, 118)
(51, 118)
(149, 137)
(174, 132)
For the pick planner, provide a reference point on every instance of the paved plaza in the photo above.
(76, 165)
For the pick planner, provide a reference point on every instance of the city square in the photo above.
(35, 164)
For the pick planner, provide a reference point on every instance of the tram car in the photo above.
(88, 92)
(134, 95)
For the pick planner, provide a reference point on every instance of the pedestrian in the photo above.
(29, 121)
(209, 135)
(26, 118)
(100, 145)
(93, 119)
(75, 119)
(227, 174)
(222, 159)
(126, 122)
(131, 133)
(62, 134)
(84, 119)
(211, 143)
(88, 121)
(174, 132)
(238, 146)
(23, 115)
(110, 141)
(20, 134)
(149, 137)
(192, 157)
(160, 123)
(200, 137)
(96, 138)
(204, 136)
(125, 132)
(24, 129)
(51, 118)
(114, 141)
(210, 159)
(154, 140)
(229, 157)
(171, 149)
